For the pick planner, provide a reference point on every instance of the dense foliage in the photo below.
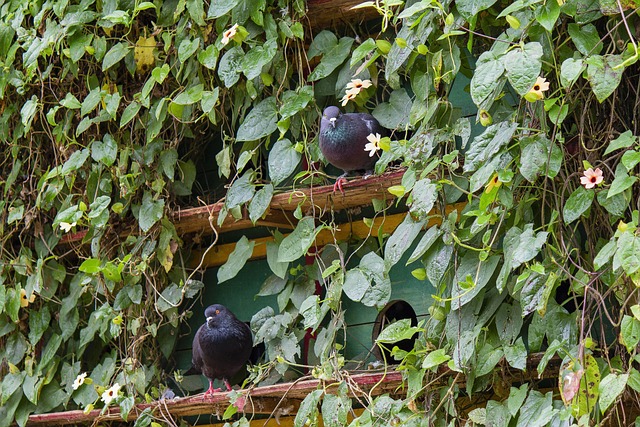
(106, 109)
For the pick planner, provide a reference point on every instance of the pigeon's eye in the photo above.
(217, 311)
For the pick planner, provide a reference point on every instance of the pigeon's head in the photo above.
(216, 313)
(330, 115)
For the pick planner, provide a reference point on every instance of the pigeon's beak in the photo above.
(209, 319)
(332, 120)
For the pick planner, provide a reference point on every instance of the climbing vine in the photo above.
(116, 114)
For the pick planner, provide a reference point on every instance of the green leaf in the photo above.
(627, 253)
(189, 96)
(630, 159)
(402, 238)
(260, 202)
(469, 8)
(129, 113)
(241, 190)
(151, 211)
(168, 162)
(397, 331)
(258, 57)
(522, 245)
(218, 8)
(629, 332)
(170, 298)
(620, 183)
(308, 412)
(331, 59)
(523, 66)
(187, 48)
(70, 102)
(428, 239)
(487, 76)
(604, 255)
(423, 197)
(395, 113)
(209, 56)
(570, 70)
(362, 51)
(38, 323)
(516, 354)
(115, 55)
(577, 204)
(229, 67)
(537, 410)
(283, 161)
(311, 311)
(91, 101)
(604, 75)
(479, 271)
(624, 140)
(356, 284)
(295, 101)
(237, 259)
(299, 241)
(105, 151)
(278, 268)
(335, 410)
(586, 39)
(535, 159)
(547, 15)
(435, 358)
(261, 121)
(610, 388)
(516, 398)
(486, 145)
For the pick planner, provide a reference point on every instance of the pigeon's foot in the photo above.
(338, 185)
(211, 390)
(226, 383)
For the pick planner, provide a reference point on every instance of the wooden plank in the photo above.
(318, 200)
(218, 255)
(285, 398)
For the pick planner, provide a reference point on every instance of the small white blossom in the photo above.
(111, 393)
(66, 227)
(351, 94)
(358, 84)
(79, 380)
(373, 145)
(228, 35)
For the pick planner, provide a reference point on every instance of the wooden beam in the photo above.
(285, 398)
(318, 200)
(218, 255)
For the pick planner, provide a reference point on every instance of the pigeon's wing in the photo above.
(196, 354)
(371, 124)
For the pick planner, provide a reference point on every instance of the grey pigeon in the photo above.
(221, 347)
(343, 138)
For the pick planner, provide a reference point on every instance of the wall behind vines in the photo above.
(106, 109)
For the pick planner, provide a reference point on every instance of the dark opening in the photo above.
(394, 310)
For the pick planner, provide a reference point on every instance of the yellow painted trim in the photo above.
(218, 255)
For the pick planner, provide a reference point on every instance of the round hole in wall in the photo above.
(392, 312)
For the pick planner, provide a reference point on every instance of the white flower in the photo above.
(66, 227)
(111, 393)
(228, 35)
(351, 94)
(373, 145)
(79, 380)
(358, 84)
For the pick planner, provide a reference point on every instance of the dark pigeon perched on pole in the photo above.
(221, 347)
(343, 138)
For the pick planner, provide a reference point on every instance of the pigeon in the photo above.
(343, 138)
(221, 346)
